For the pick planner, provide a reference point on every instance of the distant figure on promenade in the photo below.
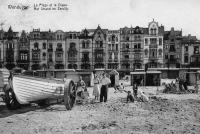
(105, 81)
(96, 87)
(177, 84)
(135, 90)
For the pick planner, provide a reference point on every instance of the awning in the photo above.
(153, 72)
(137, 73)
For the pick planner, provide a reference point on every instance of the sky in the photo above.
(109, 14)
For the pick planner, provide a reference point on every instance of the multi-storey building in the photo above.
(190, 52)
(99, 52)
(38, 49)
(10, 48)
(137, 47)
(153, 45)
(125, 48)
(72, 50)
(113, 49)
(59, 48)
(85, 50)
(23, 51)
(172, 48)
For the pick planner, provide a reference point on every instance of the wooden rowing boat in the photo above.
(27, 89)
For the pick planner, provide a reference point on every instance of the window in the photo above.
(127, 38)
(44, 56)
(166, 56)
(186, 48)
(50, 46)
(127, 46)
(126, 56)
(172, 48)
(109, 46)
(116, 55)
(87, 43)
(116, 39)
(117, 47)
(83, 44)
(196, 49)
(146, 52)
(160, 41)
(186, 59)
(160, 52)
(70, 36)
(72, 45)
(153, 40)
(146, 41)
(50, 57)
(44, 46)
(36, 46)
(110, 55)
(59, 55)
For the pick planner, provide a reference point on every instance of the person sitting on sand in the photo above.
(119, 88)
(129, 97)
(80, 87)
(144, 98)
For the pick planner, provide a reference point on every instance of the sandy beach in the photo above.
(164, 113)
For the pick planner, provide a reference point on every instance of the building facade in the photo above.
(153, 45)
(23, 51)
(172, 48)
(10, 49)
(113, 49)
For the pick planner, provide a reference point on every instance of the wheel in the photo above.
(10, 98)
(69, 94)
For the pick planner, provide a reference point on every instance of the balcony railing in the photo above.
(35, 50)
(153, 58)
(35, 59)
(85, 60)
(72, 59)
(98, 60)
(58, 59)
(137, 50)
(59, 49)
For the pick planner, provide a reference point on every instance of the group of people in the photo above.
(100, 88)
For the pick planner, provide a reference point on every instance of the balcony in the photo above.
(36, 59)
(85, 60)
(22, 61)
(172, 61)
(153, 58)
(72, 59)
(59, 49)
(57, 59)
(35, 50)
(24, 48)
(195, 64)
(126, 50)
(98, 60)
(98, 49)
(125, 59)
(137, 50)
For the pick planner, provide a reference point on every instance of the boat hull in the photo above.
(31, 89)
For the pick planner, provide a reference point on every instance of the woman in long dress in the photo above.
(96, 87)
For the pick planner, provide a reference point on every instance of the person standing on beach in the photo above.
(135, 90)
(96, 87)
(105, 81)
